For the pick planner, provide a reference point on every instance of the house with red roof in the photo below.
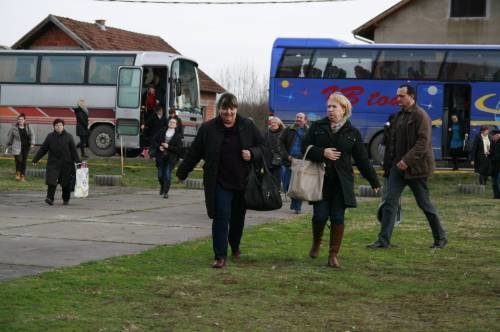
(56, 32)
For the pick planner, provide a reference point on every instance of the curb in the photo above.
(35, 172)
(367, 191)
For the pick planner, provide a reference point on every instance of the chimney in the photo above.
(101, 24)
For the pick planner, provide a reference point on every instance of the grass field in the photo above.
(276, 286)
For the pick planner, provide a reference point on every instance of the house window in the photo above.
(468, 8)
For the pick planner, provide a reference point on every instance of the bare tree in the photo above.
(251, 89)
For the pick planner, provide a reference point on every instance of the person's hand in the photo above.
(331, 154)
(402, 165)
(246, 155)
(376, 190)
(290, 158)
(34, 164)
(142, 127)
(32, 146)
(472, 163)
(162, 148)
(165, 145)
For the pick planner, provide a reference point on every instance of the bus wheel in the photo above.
(102, 141)
(377, 149)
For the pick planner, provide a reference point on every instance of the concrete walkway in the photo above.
(112, 221)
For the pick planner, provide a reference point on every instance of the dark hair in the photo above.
(410, 89)
(227, 100)
(483, 128)
(56, 121)
(21, 115)
(495, 131)
(158, 107)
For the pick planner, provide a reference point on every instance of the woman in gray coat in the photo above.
(20, 139)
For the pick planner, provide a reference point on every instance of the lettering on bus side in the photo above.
(353, 93)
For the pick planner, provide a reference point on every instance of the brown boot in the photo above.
(317, 235)
(18, 176)
(336, 236)
(23, 178)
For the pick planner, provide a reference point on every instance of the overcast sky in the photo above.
(217, 36)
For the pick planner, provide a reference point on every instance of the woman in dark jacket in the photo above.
(272, 140)
(61, 162)
(167, 147)
(82, 126)
(335, 141)
(480, 152)
(227, 144)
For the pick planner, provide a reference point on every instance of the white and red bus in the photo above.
(46, 85)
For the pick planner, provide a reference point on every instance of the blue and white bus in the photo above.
(450, 79)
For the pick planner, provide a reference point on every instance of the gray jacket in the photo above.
(14, 139)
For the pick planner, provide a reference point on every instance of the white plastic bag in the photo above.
(82, 181)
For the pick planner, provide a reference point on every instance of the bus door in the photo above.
(128, 106)
(457, 99)
(430, 97)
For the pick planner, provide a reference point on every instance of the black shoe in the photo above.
(440, 244)
(378, 245)
(161, 191)
(165, 195)
(65, 202)
(49, 201)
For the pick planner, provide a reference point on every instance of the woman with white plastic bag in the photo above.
(335, 142)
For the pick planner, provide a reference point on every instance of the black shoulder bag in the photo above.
(262, 192)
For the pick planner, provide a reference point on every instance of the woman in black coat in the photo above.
(61, 162)
(335, 141)
(272, 140)
(480, 152)
(167, 147)
(227, 144)
(82, 126)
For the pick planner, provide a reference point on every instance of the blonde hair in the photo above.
(278, 120)
(343, 101)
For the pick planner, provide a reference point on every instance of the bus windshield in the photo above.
(184, 93)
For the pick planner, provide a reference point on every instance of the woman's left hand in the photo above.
(376, 190)
(246, 155)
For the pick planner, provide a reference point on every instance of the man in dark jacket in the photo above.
(61, 163)
(412, 162)
(82, 126)
(290, 147)
(227, 144)
(495, 162)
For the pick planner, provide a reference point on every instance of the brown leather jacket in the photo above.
(418, 132)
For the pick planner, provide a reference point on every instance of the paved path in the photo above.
(112, 221)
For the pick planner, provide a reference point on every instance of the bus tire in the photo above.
(377, 149)
(102, 141)
(108, 180)
(471, 188)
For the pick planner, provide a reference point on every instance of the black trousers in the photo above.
(21, 160)
(396, 184)
(51, 191)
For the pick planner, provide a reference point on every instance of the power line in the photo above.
(265, 2)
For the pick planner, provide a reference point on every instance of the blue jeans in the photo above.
(295, 203)
(325, 209)
(165, 167)
(229, 220)
(396, 183)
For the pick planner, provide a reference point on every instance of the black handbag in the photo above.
(262, 192)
